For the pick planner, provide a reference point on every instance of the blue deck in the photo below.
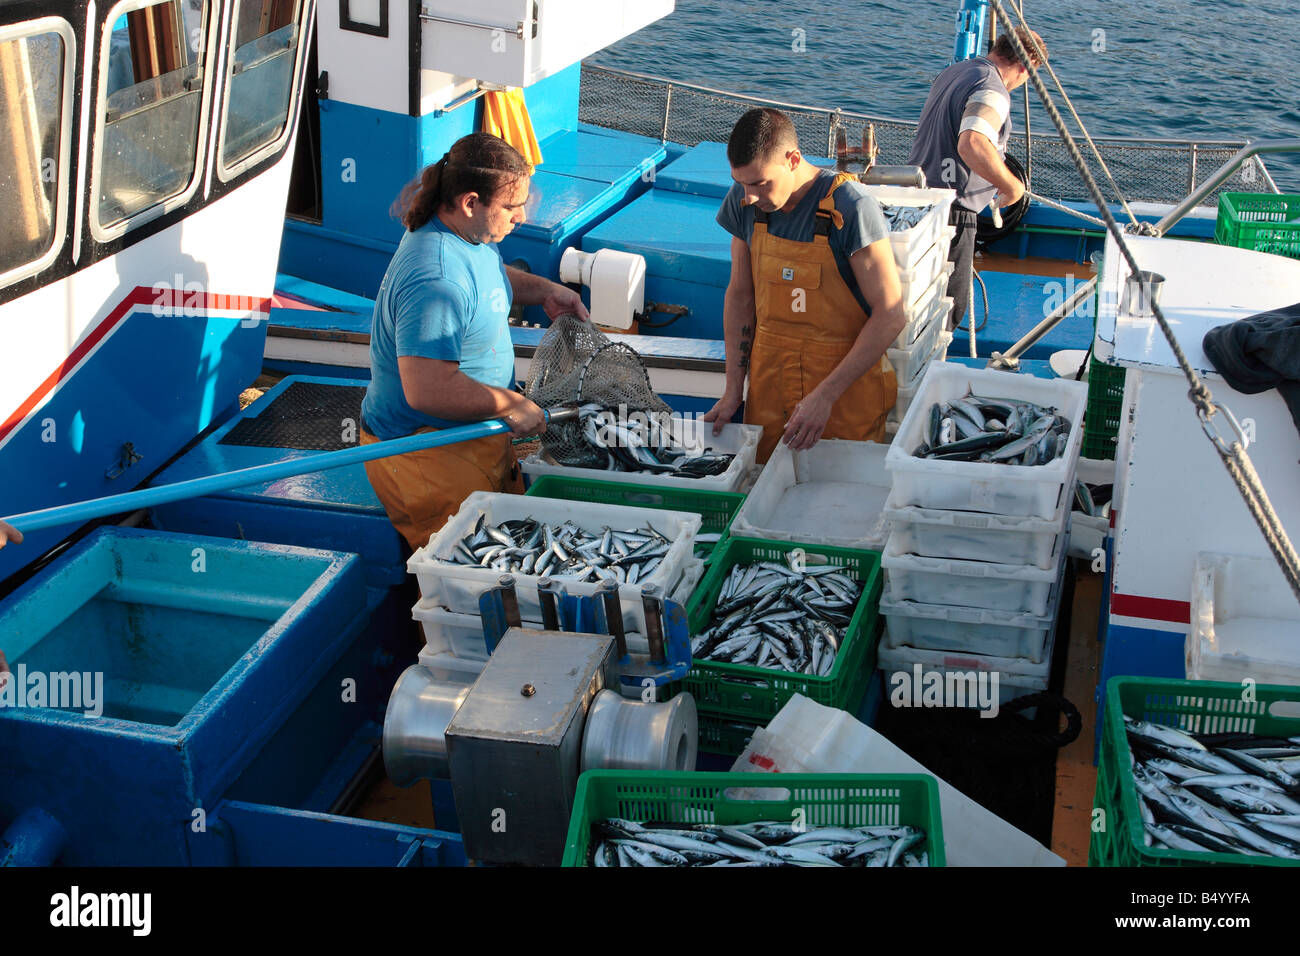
(333, 510)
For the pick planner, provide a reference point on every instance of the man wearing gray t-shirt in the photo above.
(961, 141)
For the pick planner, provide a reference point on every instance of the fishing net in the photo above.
(576, 364)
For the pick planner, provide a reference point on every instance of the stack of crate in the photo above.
(976, 551)
(448, 610)
(921, 253)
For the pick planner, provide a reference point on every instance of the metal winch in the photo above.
(548, 705)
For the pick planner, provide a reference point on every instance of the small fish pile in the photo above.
(617, 842)
(770, 615)
(640, 442)
(1217, 793)
(527, 546)
(1006, 431)
(902, 218)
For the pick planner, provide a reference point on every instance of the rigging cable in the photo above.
(1235, 460)
(1141, 227)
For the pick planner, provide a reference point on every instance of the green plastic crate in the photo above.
(1260, 221)
(1192, 706)
(723, 735)
(826, 799)
(1105, 406)
(756, 693)
(717, 508)
(728, 737)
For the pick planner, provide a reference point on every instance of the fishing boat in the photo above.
(202, 191)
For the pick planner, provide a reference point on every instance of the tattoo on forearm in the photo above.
(746, 343)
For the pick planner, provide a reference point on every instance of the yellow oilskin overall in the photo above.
(808, 320)
(421, 490)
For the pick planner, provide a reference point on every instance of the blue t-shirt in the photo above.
(864, 223)
(441, 298)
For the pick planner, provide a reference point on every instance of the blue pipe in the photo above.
(972, 30)
(34, 839)
(83, 511)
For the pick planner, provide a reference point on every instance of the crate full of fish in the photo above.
(833, 493)
(977, 535)
(917, 219)
(908, 362)
(982, 440)
(716, 509)
(655, 818)
(1191, 773)
(462, 634)
(728, 736)
(907, 392)
(577, 544)
(649, 449)
(1245, 621)
(1019, 588)
(944, 627)
(772, 619)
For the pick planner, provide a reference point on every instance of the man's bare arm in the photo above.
(556, 299)
(979, 153)
(738, 324)
(439, 388)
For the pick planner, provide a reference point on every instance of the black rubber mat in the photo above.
(1008, 763)
(309, 416)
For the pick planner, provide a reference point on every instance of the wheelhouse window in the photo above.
(260, 81)
(151, 109)
(35, 116)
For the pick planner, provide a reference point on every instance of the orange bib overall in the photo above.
(808, 319)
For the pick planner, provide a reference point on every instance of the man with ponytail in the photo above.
(440, 347)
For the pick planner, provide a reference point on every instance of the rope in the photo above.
(1066, 209)
(1141, 227)
(1235, 459)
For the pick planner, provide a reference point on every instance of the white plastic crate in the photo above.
(734, 439)
(1030, 490)
(447, 666)
(906, 393)
(457, 587)
(910, 244)
(831, 494)
(977, 536)
(1017, 676)
(907, 362)
(459, 637)
(1016, 588)
(919, 277)
(918, 312)
(940, 627)
(975, 630)
(1245, 621)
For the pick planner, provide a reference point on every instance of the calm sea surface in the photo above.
(1213, 69)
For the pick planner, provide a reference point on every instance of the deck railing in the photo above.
(1146, 169)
